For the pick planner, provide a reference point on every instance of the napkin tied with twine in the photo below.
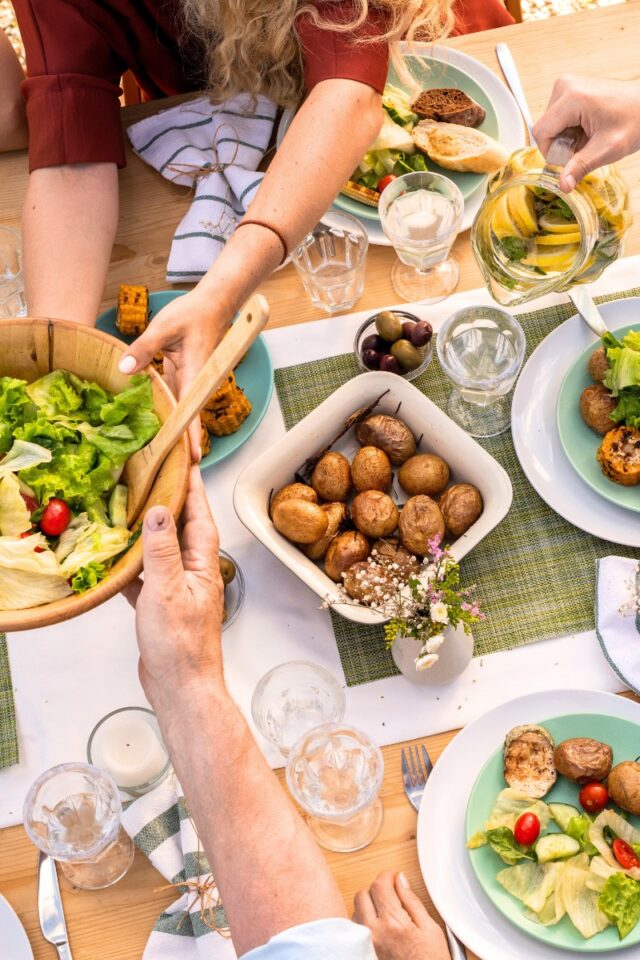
(618, 616)
(215, 149)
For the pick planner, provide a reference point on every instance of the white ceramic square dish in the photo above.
(468, 462)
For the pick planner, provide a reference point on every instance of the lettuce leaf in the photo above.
(581, 902)
(608, 821)
(24, 455)
(120, 441)
(13, 401)
(532, 883)
(96, 542)
(14, 515)
(56, 396)
(510, 804)
(88, 576)
(578, 828)
(137, 396)
(502, 841)
(620, 902)
(27, 578)
(44, 432)
(78, 473)
(628, 408)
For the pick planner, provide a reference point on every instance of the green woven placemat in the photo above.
(8, 732)
(535, 572)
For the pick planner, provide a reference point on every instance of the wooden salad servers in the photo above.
(141, 469)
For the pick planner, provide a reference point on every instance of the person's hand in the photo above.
(400, 926)
(187, 330)
(607, 110)
(179, 604)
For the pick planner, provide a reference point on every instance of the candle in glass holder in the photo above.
(127, 744)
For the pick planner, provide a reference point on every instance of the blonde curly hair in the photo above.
(252, 47)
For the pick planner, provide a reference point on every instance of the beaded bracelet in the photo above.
(268, 226)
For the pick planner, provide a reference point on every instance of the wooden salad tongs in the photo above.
(141, 469)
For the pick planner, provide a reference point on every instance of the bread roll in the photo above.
(455, 147)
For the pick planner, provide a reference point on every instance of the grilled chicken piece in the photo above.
(528, 760)
(619, 455)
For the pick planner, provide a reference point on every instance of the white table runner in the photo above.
(70, 675)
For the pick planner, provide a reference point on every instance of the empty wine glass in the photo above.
(421, 213)
(481, 350)
(331, 261)
(72, 813)
(335, 774)
(293, 698)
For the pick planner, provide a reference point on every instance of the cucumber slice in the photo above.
(563, 813)
(118, 505)
(556, 846)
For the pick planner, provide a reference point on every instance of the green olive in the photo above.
(227, 570)
(389, 326)
(406, 354)
(225, 615)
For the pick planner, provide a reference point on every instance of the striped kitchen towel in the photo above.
(194, 927)
(215, 149)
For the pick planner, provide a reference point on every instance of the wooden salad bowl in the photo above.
(32, 347)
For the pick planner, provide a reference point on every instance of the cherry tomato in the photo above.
(625, 854)
(527, 829)
(385, 181)
(55, 518)
(29, 533)
(32, 504)
(594, 797)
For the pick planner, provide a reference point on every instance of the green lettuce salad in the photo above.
(623, 376)
(393, 152)
(64, 442)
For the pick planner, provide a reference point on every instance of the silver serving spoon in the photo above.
(582, 301)
(511, 75)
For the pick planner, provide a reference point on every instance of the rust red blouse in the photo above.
(77, 50)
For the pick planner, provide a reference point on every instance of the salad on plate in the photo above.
(64, 443)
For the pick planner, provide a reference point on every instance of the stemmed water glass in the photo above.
(421, 214)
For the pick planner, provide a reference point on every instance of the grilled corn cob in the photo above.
(223, 395)
(133, 309)
(364, 194)
(205, 439)
(227, 417)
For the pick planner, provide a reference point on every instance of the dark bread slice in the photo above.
(448, 105)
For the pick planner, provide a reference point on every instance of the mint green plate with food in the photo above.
(254, 374)
(432, 73)
(624, 739)
(580, 443)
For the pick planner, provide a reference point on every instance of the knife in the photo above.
(52, 922)
(511, 75)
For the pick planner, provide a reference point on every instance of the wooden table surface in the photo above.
(115, 924)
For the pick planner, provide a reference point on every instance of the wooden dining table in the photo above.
(115, 924)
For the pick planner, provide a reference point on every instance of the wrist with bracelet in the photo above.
(268, 226)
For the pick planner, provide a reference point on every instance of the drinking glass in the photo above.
(421, 214)
(335, 774)
(481, 350)
(331, 260)
(12, 301)
(293, 698)
(72, 812)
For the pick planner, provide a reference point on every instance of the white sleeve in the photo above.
(333, 939)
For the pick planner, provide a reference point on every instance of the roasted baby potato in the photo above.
(623, 785)
(420, 521)
(331, 477)
(389, 434)
(619, 455)
(374, 513)
(345, 550)
(598, 366)
(371, 470)
(336, 513)
(300, 521)
(596, 407)
(369, 582)
(424, 473)
(528, 760)
(396, 557)
(582, 759)
(293, 491)
(461, 506)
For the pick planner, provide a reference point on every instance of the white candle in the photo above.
(128, 746)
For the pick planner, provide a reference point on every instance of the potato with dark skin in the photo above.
(583, 760)
(331, 477)
(461, 506)
(424, 473)
(371, 470)
(623, 785)
(598, 365)
(368, 582)
(420, 521)
(336, 513)
(596, 407)
(374, 513)
(393, 555)
(293, 491)
(389, 434)
(344, 550)
(300, 521)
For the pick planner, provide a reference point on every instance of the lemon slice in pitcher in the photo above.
(553, 260)
(552, 223)
(522, 209)
(502, 224)
(557, 239)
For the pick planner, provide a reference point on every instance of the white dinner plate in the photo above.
(13, 940)
(441, 835)
(535, 432)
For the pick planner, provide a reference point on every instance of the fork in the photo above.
(416, 767)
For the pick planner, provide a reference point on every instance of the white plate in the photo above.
(13, 940)
(277, 465)
(535, 432)
(444, 859)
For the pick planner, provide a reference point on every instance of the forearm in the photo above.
(69, 222)
(259, 849)
(13, 123)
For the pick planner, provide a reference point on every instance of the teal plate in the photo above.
(438, 74)
(624, 738)
(254, 375)
(579, 442)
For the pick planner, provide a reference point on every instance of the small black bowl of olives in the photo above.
(395, 341)
(233, 589)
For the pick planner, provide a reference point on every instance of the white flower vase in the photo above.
(454, 656)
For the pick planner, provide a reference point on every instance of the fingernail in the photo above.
(570, 181)
(127, 364)
(157, 519)
(402, 880)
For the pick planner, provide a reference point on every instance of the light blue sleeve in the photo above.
(333, 939)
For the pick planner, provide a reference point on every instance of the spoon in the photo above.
(511, 75)
(141, 469)
(582, 301)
